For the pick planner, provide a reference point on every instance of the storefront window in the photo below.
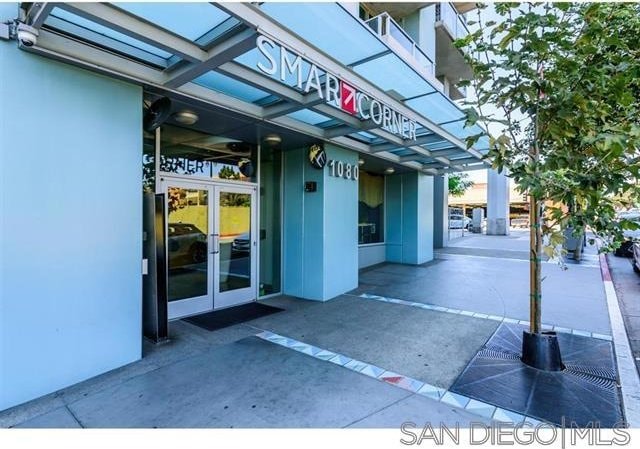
(370, 208)
(191, 153)
(270, 220)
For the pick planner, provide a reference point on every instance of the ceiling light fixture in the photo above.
(272, 139)
(186, 117)
(389, 170)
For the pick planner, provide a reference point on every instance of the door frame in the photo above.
(199, 304)
(230, 298)
(214, 299)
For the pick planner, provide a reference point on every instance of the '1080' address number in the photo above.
(341, 169)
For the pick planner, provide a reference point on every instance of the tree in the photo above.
(459, 183)
(561, 84)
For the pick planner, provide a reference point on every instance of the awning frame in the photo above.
(178, 79)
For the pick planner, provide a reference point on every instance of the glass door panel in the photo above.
(235, 246)
(190, 261)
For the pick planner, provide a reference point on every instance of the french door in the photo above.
(211, 246)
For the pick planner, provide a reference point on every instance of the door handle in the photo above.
(216, 243)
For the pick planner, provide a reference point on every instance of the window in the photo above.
(370, 208)
(270, 220)
(187, 152)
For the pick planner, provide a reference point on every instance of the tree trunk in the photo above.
(535, 275)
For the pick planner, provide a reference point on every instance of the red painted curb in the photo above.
(604, 268)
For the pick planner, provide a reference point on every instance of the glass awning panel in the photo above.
(189, 20)
(482, 144)
(105, 37)
(437, 108)
(327, 26)
(392, 75)
(309, 117)
(227, 85)
(462, 132)
(403, 152)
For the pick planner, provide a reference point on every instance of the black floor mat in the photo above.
(219, 319)
(585, 392)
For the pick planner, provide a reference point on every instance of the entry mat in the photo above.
(219, 319)
(585, 393)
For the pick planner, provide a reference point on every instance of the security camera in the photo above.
(27, 35)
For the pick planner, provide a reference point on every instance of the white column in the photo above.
(497, 203)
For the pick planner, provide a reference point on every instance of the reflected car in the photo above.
(187, 244)
(241, 245)
(459, 221)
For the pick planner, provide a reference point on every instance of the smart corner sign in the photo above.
(282, 63)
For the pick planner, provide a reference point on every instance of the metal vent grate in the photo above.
(493, 352)
(602, 377)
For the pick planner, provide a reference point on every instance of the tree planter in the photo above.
(541, 351)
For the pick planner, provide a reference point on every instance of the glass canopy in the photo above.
(328, 27)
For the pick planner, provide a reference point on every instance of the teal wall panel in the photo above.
(409, 220)
(340, 227)
(71, 227)
(320, 228)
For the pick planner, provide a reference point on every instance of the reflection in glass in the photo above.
(370, 208)
(235, 241)
(149, 162)
(188, 227)
(191, 153)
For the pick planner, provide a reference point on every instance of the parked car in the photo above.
(459, 221)
(520, 222)
(635, 261)
(187, 244)
(630, 236)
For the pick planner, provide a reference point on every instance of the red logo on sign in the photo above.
(348, 98)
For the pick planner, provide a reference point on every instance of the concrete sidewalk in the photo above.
(355, 361)
(229, 378)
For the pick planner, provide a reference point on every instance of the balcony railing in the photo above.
(384, 25)
(456, 24)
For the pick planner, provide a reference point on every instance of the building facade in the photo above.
(197, 157)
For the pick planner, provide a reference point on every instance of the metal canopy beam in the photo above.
(448, 152)
(137, 28)
(462, 161)
(458, 168)
(254, 17)
(217, 55)
(419, 141)
(38, 13)
(288, 107)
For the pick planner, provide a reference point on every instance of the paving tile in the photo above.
(340, 360)
(480, 408)
(325, 355)
(431, 391)
(355, 365)
(372, 370)
(457, 400)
